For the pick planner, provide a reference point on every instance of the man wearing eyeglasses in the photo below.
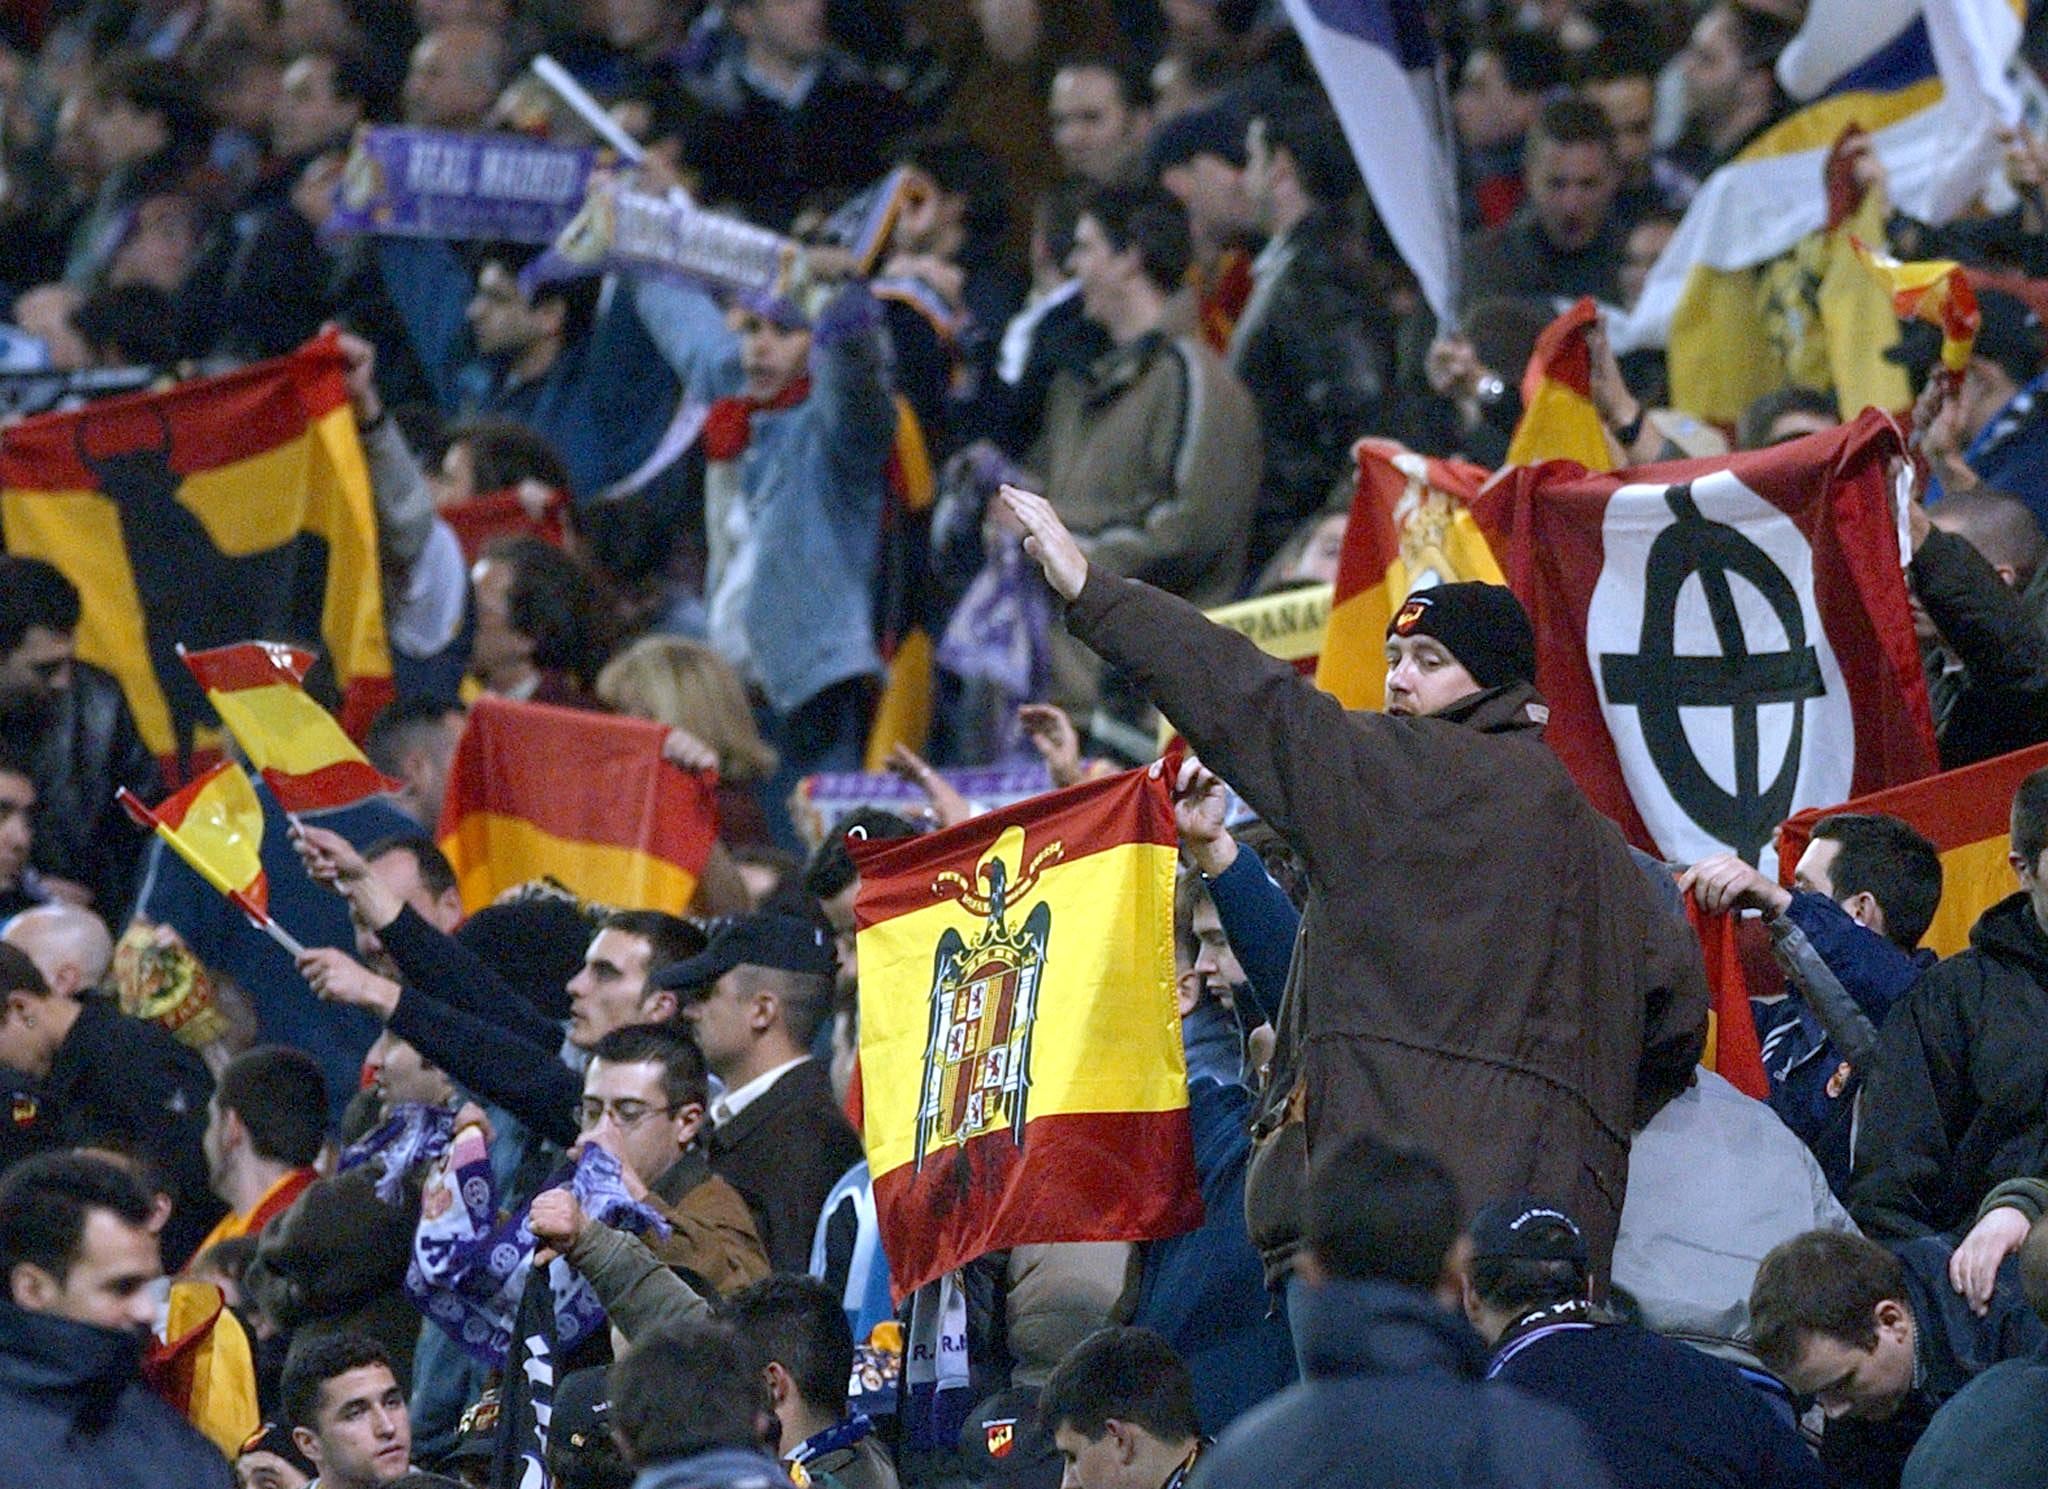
(71, 726)
(644, 1098)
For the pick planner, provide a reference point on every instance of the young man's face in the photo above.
(500, 320)
(723, 1021)
(626, 1108)
(108, 1283)
(1423, 677)
(361, 1434)
(1105, 1463)
(1571, 187)
(1867, 1384)
(610, 992)
(772, 356)
(40, 667)
(17, 826)
(1092, 128)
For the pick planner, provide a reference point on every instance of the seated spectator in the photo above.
(1101, 113)
(109, 1079)
(80, 1260)
(756, 997)
(1566, 240)
(644, 1099)
(1315, 346)
(541, 630)
(796, 1325)
(347, 1412)
(1848, 936)
(1393, 1387)
(1121, 1410)
(1954, 1100)
(1661, 1416)
(1880, 1340)
(690, 1410)
(264, 1128)
(69, 722)
(791, 116)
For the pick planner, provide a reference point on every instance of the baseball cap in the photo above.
(1526, 1229)
(1004, 1445)
(274, 1438)
(1217, 130)
(788, 943)
(581, 1453)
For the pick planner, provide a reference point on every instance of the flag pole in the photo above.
(261, 919)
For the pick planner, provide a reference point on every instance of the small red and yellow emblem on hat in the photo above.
(1002, 1436)
(1410, 614)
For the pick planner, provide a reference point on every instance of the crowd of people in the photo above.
(1475, 1213)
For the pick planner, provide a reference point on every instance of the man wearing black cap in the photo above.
(1662, 1415)
(756, 998)
(1480, 963)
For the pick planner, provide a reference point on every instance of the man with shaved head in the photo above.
(454, 77)
(1983, 623)
(104, 1079)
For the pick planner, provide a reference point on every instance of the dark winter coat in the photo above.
(1957, 1099)
(1481, 966)
(783, 1153)
(75, 1414)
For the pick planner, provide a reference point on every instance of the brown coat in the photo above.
(1481, 967)
(714, 1233)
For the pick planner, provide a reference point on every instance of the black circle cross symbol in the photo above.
(1657, 682)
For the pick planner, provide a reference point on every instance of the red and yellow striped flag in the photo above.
(214, 823)
(1936, 291)
(1966, 814)
(203, 1366)
(584, 798)
(226, 507)
(1410, 528)
(1020, 1046)
(258, 689)
(1559, 421)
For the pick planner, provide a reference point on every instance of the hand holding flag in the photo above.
(216, 825)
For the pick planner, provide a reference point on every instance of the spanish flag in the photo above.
(583, 798)
(214, 823)
(1732, 1050)
(1966, 814)
(1410, 528)
(203, 1367)
(224, 508)
(1936, 291)
(258, 689)
(1559, 421)
(1020, 1040)
(903, 602)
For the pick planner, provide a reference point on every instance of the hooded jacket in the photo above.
(1392, 1393)
(75, 1414)
(1481, 967)
(1954, 1103)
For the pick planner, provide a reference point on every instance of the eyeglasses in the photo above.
(626, 1114)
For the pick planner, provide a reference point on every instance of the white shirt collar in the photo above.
(732, 1103)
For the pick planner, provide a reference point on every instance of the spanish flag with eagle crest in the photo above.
(1022, 1073)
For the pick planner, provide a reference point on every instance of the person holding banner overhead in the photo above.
(1481, 965)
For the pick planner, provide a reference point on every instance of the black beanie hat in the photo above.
(1483, 625)
(535, 944)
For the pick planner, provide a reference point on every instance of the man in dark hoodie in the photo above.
(1393, 1388)
(1955, 1102)
(79, 1257)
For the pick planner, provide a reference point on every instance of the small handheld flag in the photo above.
(216, 825)
(258, 689)
(1936, 291)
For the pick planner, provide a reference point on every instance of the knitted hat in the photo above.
(535, 944)
(1483, 625)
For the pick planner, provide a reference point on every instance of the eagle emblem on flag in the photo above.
(984, 1001)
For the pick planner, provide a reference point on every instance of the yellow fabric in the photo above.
(904, 714)
(222, 1404)
(1923, 289)
(280, 728)
(492, 853)
(1561, 424)
(1974, 877)
(1814, 317)
(1820, 124)
(1290, 625)
(1109, 988)
(222, 833)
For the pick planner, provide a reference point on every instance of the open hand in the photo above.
(1047, 540)
(1199, 801)
(948, 805)
(1053, 735)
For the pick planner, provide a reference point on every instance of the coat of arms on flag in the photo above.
(1022, 1072)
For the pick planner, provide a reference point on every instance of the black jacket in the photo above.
(1662, 1414)
(783, 1153)
(83, 749)
(1317, 355)
(74, 1413)
(126, 1082)
(1957, 1098)
(1392, 1394)
(1998, 701)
